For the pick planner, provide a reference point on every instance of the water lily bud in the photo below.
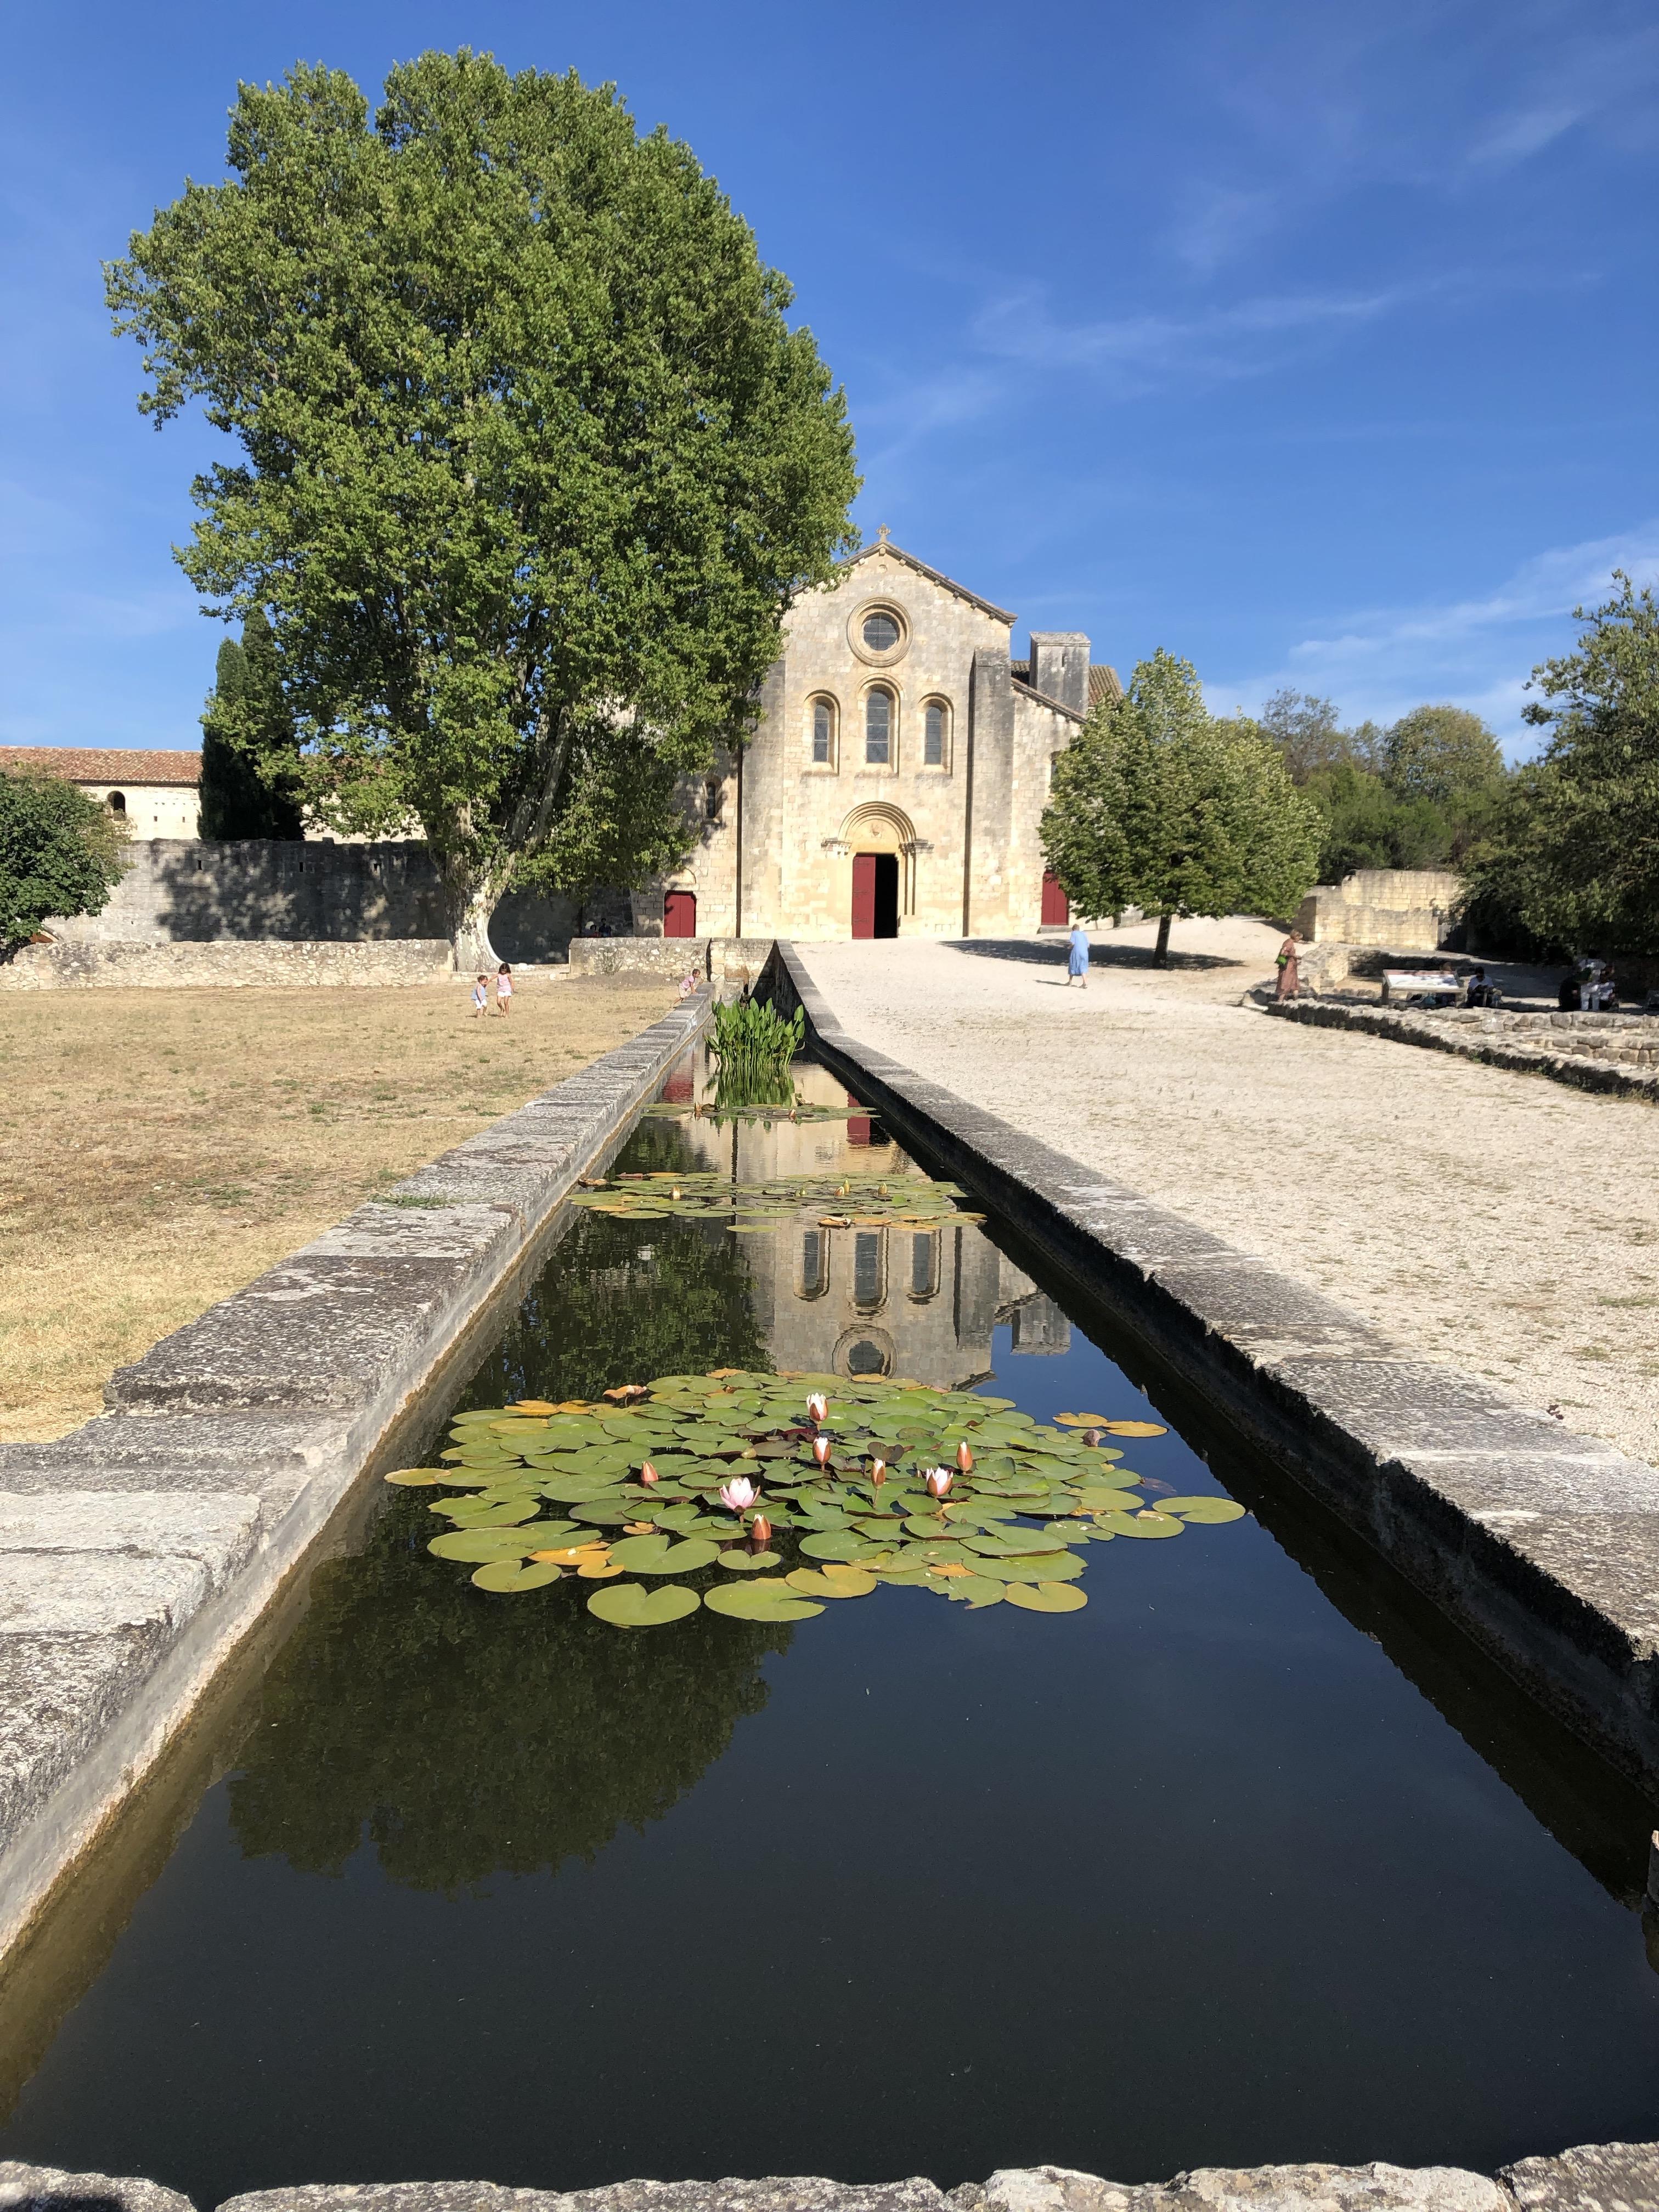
(821, 1450)
(760, 1531)
(938, 1480)
(964, 1457)
(818, 1406)
(648, 1474)
(877, 1472)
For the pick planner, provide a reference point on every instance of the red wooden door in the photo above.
(1056, 909)
(863, 894)
(679, 913)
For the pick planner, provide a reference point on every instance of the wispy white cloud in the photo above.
(1517, 138)
(1475, 652)
(1240, 339)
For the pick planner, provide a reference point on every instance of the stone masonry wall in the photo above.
(132, 965)
(1408, 909)
(182, 891)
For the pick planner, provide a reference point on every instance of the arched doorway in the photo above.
(881, 842)
(679, 913)
(875, 894)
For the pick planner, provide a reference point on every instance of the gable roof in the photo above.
(99, 764)
(933, 576)
(1054, 706)
(1102, 685)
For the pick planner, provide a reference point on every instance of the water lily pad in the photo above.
(508, 1574)
(741, 1562)
(1035, 1567)
(602, 1516)
(662, 1555)
(1209, 1510)
(822, 1583)
(1045, 1597)
(832, 1544)
(478, 1545)
(630, 1604)
(1134, 1428)
(975, 1590)
(417, 1478)
(1142, 1524)
(755, 1601)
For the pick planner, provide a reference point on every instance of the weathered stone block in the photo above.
(1595, 2178)
(49, 2188)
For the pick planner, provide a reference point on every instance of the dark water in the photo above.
(1249, 1860)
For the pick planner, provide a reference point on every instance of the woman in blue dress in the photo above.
(1077, 964)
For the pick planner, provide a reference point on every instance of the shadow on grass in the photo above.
(1037, 952)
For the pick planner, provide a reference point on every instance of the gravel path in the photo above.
(1502, 1224)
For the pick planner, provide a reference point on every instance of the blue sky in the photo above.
(1314, 342)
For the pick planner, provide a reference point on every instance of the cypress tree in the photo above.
(247, 731)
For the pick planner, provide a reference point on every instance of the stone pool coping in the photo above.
(137, 1553)
(1541, 1544)
(1593, 2178)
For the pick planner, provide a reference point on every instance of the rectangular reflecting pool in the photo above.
(1248, 1859)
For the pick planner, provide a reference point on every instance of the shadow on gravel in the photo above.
(1038, 952)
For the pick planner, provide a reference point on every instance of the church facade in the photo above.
(897, 774)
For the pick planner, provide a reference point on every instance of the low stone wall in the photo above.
(1541, 1544)
(90, 963)
(137, 1553)
(1617, 1053)
(725, 961)
(1595, 2178)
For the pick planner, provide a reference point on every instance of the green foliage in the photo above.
(526, 433)
(755, 1045)
(61, 854)
(620, 817)
(899, 1482)
(250, 748)
(1366, 824)
(1442, 754)
(1158, 805)
(1578, 854)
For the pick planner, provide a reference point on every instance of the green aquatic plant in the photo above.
(876, 1199)
(763, 1496)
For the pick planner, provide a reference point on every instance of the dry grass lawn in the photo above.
(158, 1149)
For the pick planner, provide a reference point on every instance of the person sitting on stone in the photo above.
(1480, 992)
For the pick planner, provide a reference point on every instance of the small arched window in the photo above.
(117, 802)
(878, 729)
(823, 734)
(869, 1268)
(814, 1264)
(935, 721)
(924, 1264)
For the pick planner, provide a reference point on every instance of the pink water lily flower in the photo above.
(737, 1495)
(938, 1480)
(821, 1450)
(818, 1406)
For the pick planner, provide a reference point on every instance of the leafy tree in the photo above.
(248, 734)
(1366, 824)
(526, 439)
(1575, 858)
(1157, 804)
(1442, 754)
(60, 854)
(621, 818)
(1311, 739)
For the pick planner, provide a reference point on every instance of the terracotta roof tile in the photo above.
(99, 764)
(1104, 683)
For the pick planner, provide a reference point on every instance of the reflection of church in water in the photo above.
(920, 1303)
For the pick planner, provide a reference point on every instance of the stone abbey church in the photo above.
(897, 774)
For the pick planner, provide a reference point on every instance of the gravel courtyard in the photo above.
(1502, 1224)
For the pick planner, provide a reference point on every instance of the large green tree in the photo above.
(526, 436)
(250, 749)
(61, 854)
(1443, 754)
(1573, 858)
(1158, 805)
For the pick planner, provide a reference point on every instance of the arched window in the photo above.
(878, 729)
(823, 734)
(924, 1264)
(117, 802)
(935, 724)
(814, 1264)
(869, 1268)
